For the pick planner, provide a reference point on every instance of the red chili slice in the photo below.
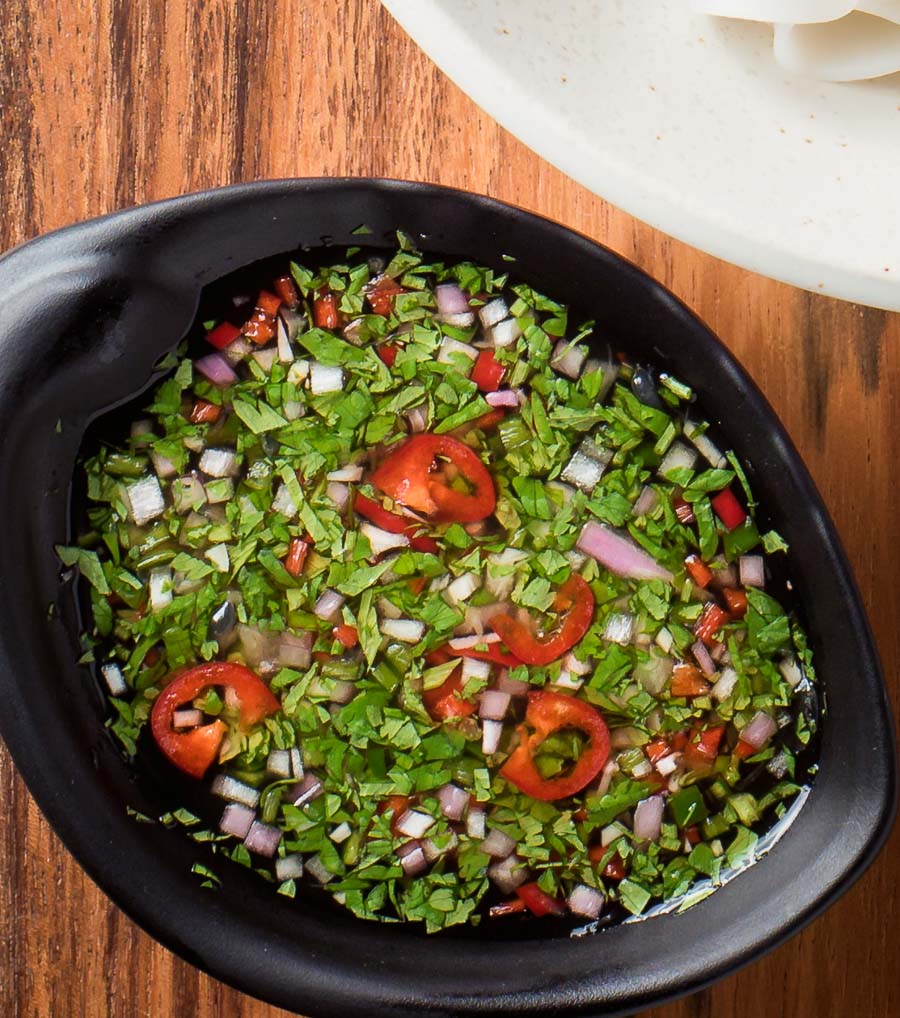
(223, 335)
(493, 654)
(444, 700)
(260, 326)
(287, 291)
(296, 556)
(204, 412)
(687, 681)
(393, 524)
(381, 294)
(488, 372)
(710, 622)
(538, 901)
(728, 509)
(195, 750)
(546, 714)
(703, 747)
(388, 353)
(575, 603)
(325, 311)
(412, 475)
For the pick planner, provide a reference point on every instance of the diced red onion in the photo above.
(324, 378)
(761, 728)
(308, 788)
(619, 554)
(163, 466)
(493, 312)
(295, 649)
(258, 646)
(328, 605)
(215, 369)
(382, 540)
(453, 800)
(724, 577)
(145, 500)
(433, 850)
(404, 630)
(414, 823)
(237, 820)
(188, 718)
(263, 839)
(646, 502)
(342, 691)
(412, 858)
(586, 901)
(515, 687)
(278, 763)
(114, 679)
(648, 816)
(508, 873)
(450, 299)
(475, 823)
(227, 787)
(568, 358)
(504, 398)
(718, 652)
(703, 658)
(339, 494)
(752, 570)
(316, 868)
(290, 867)
(491, 733)
(498, 844)
(494, 704)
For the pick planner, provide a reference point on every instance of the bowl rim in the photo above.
(307, 983)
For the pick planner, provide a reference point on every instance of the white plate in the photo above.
(687, 123)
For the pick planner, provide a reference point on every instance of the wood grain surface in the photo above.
(110, 103)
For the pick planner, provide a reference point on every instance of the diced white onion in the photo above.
(463, 587)
(325, 378)
(583, 471)
(493, 312)
(505, 333)
(219, 462)
(451, 348)
(114, 679)
(308, 788)
(476, 640)
(515, 687)
(293, 409)
(418, 419)
(725, 684)
(340, 834)
(665, 765)
(298, 372)
(296, 762)
(234, 353)
(227, 787)
(328, 605)
(145, 500)
(187, 718)
(678, 456)
(641, 769)
(475, 823)
(413, 823)
(611, 833)
(382, 540)
(160, 588)
(461, 321)
(404, 630)
(265, 358)
(472, 668)
(163, 466)
(412, 858)
(339, 494)
(568, 358)
(752, 570)
(316, 868)
(498, 844)
(566, 680)
(218, 555)
(348, 474)
(664, 640)
(790, 671)
(648, 818)
(237, 820)
(508, 873)
(646, 502)
(586, 901)
(453, 800)
(619, 628)
(491, 733)
(278, 763)
(290, 867)
(706, 447)
(188, 493)
(761, 728)
(285, 352)
(606, 776)
(494, 703)
(434, 850)
(654, 673)
(501, 572)
(341, 692)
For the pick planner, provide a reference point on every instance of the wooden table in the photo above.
(108, 103)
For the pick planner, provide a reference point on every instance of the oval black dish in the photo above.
(87, 312)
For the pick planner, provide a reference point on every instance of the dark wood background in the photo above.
(109, 103)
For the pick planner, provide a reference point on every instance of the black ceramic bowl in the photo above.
(86, 313)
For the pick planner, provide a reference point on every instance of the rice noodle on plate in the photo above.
(833, 40)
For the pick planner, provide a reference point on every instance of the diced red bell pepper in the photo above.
(728, 509)
(287, 290)
(393, 524)
(698, 570)
(710, 622)
(743, 749)
(444, 700)
(381, 294)
(736, 600)
(506, 908)
(194, 751)
(538, 902)
(346, 635)
(493, 654)
(703, 747)
(656, 749)
(488, 372)
(388, 353)
(684, 511)
(575, 603)
(615, 869)
(296, 556)
(687, 681)
(260, 326)
(692, 834)
(204, 412)
(417, 584)
(412, 475)
(547, 713)
(325, 311)
(223, 335)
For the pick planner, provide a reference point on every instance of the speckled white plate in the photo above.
(687, 123)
